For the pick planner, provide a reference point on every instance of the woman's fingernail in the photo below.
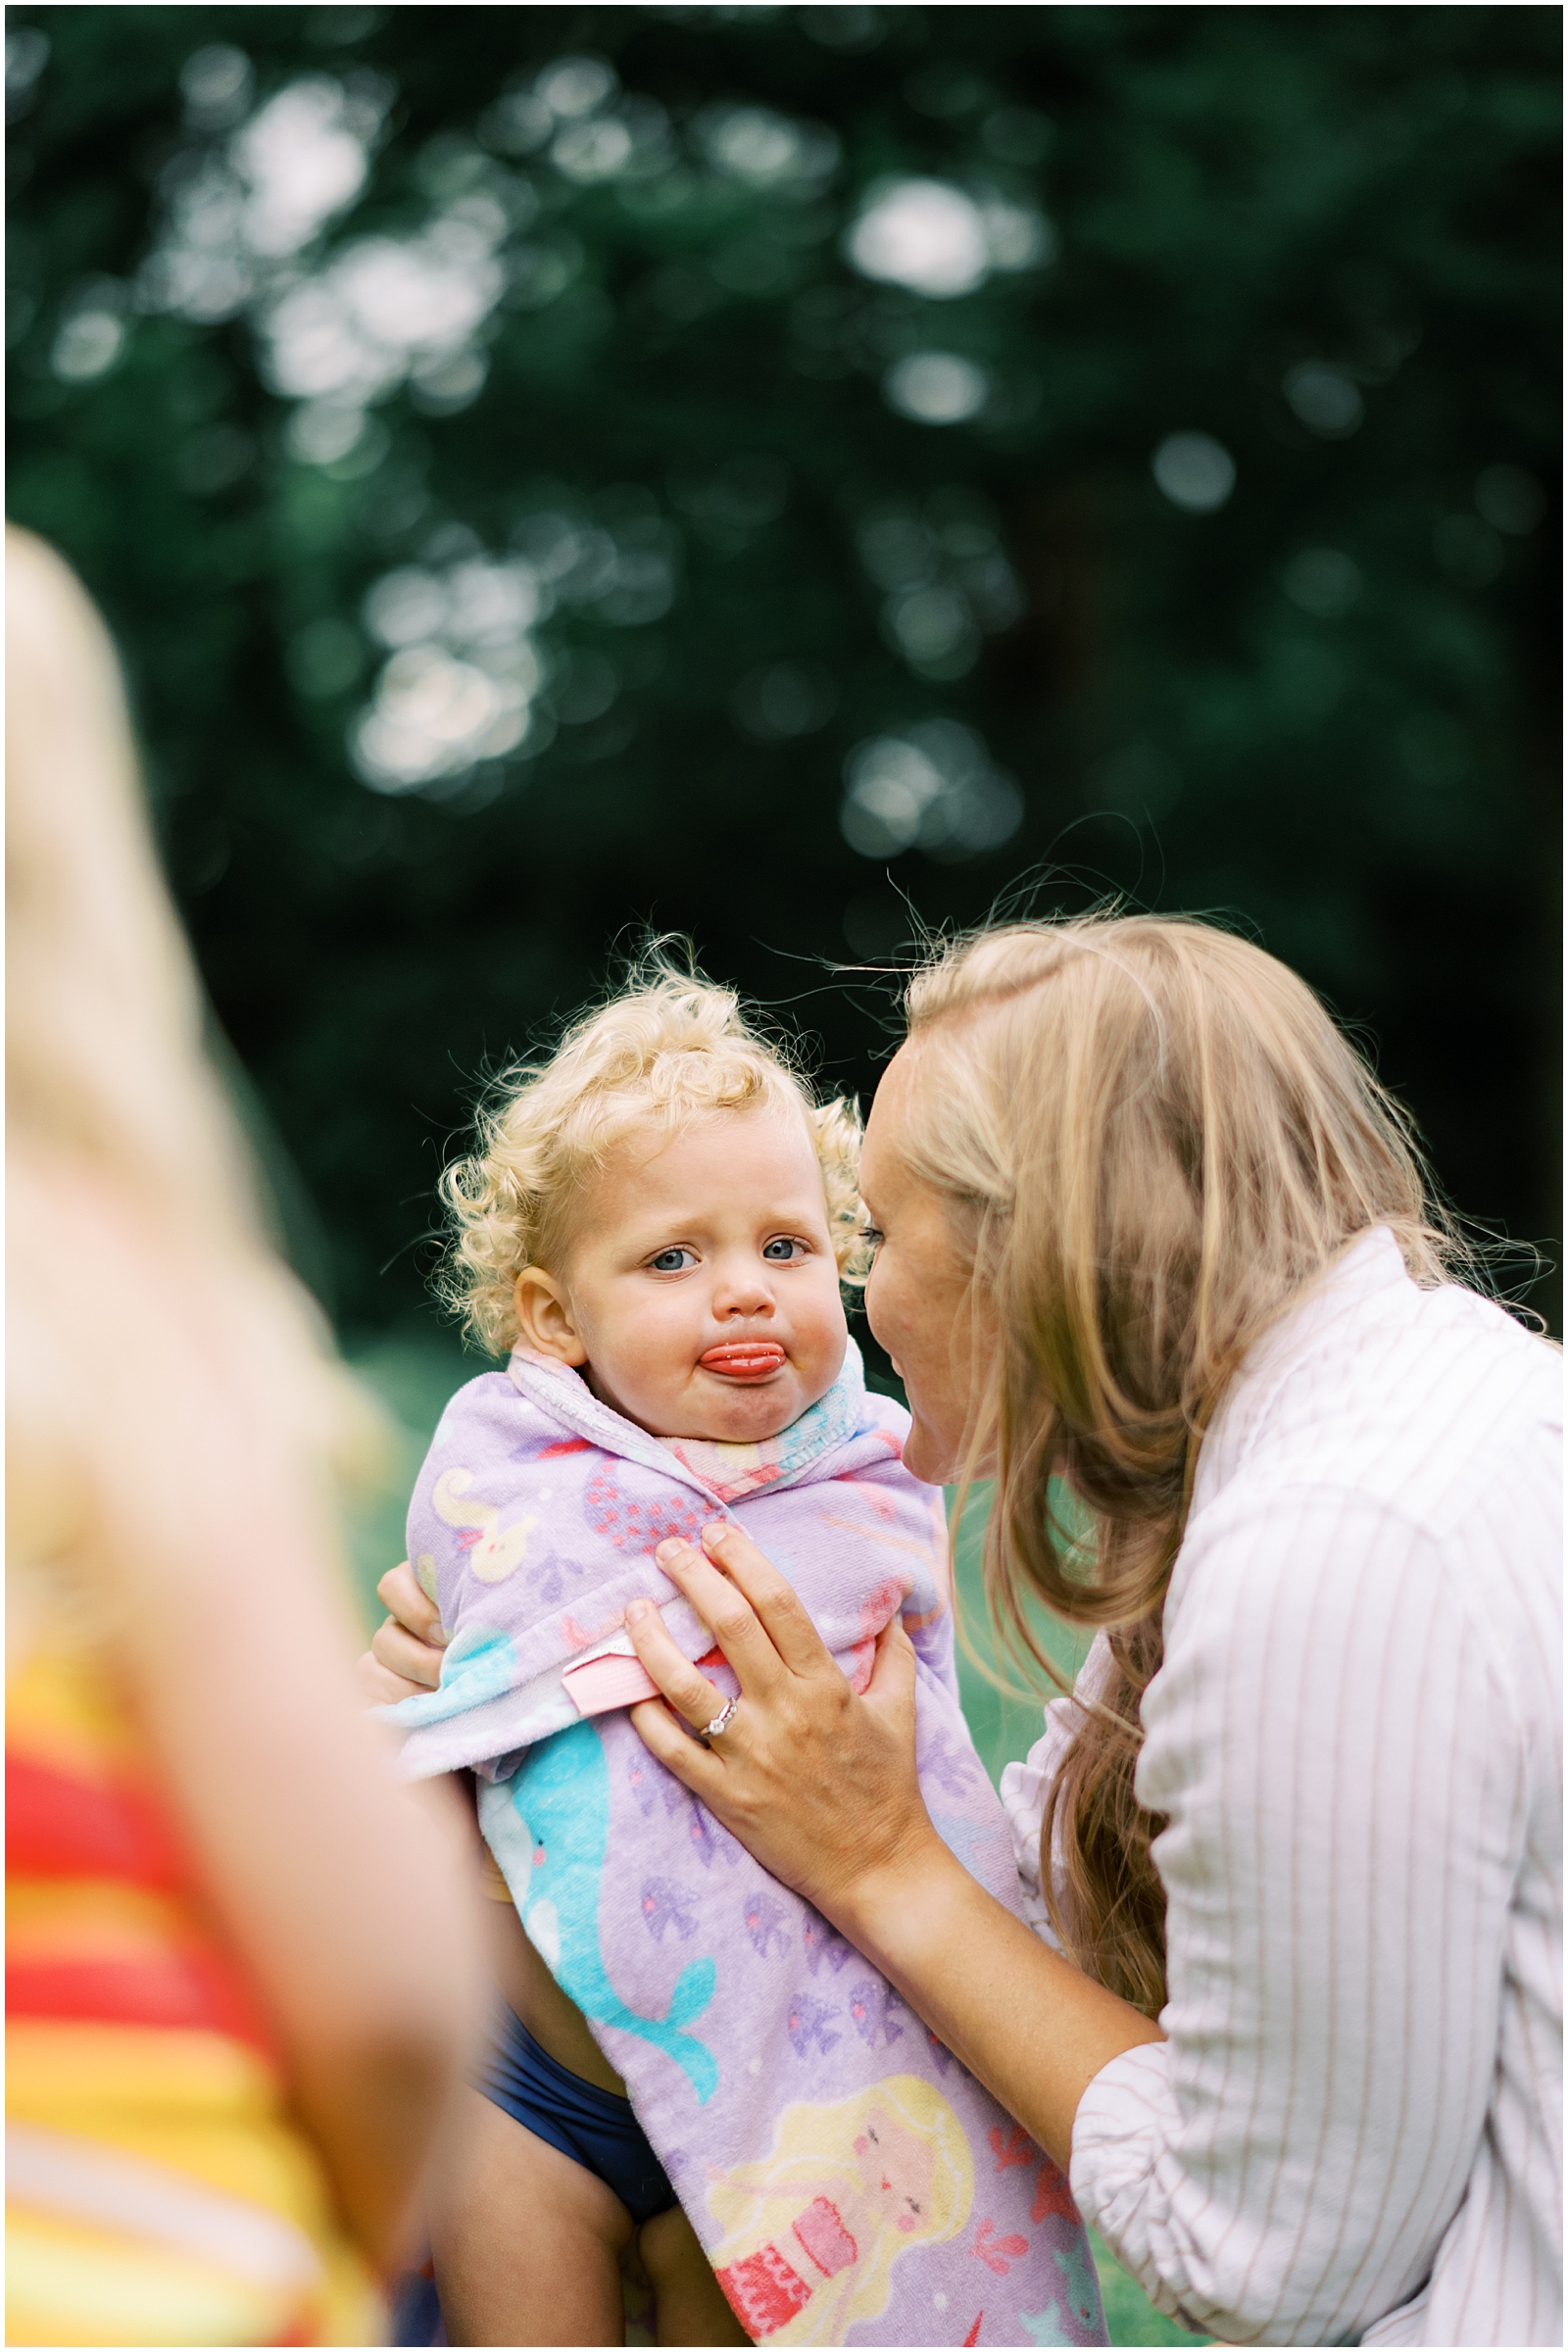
(439, 1636)
(636, 1612)
(670, 1550)
(717, 1532)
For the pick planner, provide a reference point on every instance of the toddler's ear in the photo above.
(544, 1317)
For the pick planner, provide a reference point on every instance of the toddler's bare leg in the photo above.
(689, 2306)
(527, 2243)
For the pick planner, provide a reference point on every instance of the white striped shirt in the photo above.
(1353, 2133)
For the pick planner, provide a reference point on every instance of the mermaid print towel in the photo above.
(850, 2182)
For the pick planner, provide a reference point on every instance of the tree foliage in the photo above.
(772, 473)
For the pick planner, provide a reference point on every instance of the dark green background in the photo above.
(1362, 774)
(1235, 191)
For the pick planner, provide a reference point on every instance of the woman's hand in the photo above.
(404, 1657)
(819, 1784)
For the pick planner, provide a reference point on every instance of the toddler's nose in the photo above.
(743, 1291)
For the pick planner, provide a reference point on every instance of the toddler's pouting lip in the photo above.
(744, 1359)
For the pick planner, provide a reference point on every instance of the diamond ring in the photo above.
(720, 1721)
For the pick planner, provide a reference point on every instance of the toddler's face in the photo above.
(700, 1294)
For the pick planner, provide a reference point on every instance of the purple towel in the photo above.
(849, 2180)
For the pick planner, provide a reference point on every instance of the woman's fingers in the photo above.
(695, 1767)
(407, 1646)
(381, 1689)
(725, 1611)
(400, 1593)
(752, 1612)
(773, 1598)
(403, 1653)
(689, 1692)
(891, 1689)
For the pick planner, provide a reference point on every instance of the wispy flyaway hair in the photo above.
(665, 1050)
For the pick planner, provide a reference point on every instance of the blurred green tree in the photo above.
(771, 472)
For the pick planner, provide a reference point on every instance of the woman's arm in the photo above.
(821, 1786)
(1348, 1796)
(345, 1892)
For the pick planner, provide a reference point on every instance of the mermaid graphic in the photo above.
(812, 2231)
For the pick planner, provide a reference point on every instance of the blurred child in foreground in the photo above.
(242, 1961)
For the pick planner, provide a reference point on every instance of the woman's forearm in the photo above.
(1025, 2021)
(820, 1787)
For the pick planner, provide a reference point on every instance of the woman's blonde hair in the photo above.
(667, 1047)
(105, 1066)
(1154, 1139)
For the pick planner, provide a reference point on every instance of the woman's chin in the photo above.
(926, 1457)
(938, 1460)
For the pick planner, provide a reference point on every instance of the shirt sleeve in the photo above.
(1342, 1772)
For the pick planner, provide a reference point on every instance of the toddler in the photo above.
(657, 1226)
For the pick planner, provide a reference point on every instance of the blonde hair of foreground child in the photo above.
(104, 1053)
(667, 1049)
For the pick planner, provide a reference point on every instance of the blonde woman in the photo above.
(1144, 1222)
(230, 2019)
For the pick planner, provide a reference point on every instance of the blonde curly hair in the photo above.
(669, 1047)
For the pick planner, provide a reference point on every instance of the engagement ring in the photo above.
(720, 1721)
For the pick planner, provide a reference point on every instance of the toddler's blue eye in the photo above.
(669, 1262)
(781, 1251)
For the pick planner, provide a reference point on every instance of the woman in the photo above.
(1145, 1221)
(230, 2028)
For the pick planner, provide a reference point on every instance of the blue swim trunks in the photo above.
(592, 2127)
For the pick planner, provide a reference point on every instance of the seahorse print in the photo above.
(764, 1916)
(665, 1905)
(807, 2023)
(874, 2009)
(493, 1550)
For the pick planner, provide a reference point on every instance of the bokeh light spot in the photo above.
(934, 786)
(575, 85)
(26, 55)
(764, 149)
(1325, 397)
(1195, 471)
(921, 233)
(214, 83)
(89, 339)
(936, 387)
